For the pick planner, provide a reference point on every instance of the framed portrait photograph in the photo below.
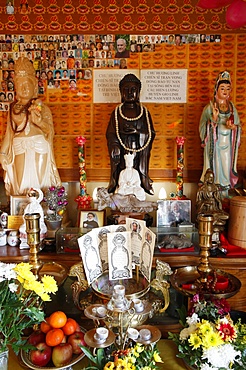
(173, 212)
(91, 218)
(18, 204)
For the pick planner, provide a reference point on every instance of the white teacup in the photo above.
(133, 333)
(145, 334)
(101, 311)
(138, 305)
(101, 334)
(119, 289)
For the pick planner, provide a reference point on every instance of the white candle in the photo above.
(163, 206)
(95, 199)
(162, 194)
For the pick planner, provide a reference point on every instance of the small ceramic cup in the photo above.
(101, 334)
(138, 305)
(101, 311)
(133, 333)
(145, 334)
(119, 290)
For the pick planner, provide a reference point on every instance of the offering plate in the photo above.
(26, 359)
(189, 276)
(136, 287)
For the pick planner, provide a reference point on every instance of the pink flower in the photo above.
(80, 140)
(180, 140)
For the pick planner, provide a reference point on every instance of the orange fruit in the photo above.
(45, 326)
(54, 337)
(57, 319)
(70, 327)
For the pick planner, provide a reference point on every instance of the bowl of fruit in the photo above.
(56, 344)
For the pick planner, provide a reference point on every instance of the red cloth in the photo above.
(232, 250)
(176, 250)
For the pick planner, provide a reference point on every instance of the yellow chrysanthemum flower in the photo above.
(37, 287)
(157, 357)
(50, 284)
(23, 271)
(195, 341)
(121, 363)
(131, 366)
(45, 297)
(212, 339)
(132, 359)
(205, 327)
(135, 352)
(109, 365)
(22, 267)
(139, 348)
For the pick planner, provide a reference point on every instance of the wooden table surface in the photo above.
(166, 347)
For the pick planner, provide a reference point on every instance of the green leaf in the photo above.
(88, 354)
(182, 314)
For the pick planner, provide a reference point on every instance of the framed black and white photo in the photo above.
(173, 212)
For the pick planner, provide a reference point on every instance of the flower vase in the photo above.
(52, 227)
(4, 359)
(53, 224)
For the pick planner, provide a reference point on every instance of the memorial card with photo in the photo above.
(137, 229)
(119, 255)
(147, 253)
(102, 241)
(90, 256)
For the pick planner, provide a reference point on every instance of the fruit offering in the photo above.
(58, 338)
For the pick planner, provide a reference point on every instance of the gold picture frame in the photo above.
(97, 219)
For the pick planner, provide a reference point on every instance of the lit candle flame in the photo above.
(94, 195)
(162, 194)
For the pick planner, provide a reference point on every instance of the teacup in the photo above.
(145, 334)
(101, 311)
(101, 334)
(133, 333)
(138, 305)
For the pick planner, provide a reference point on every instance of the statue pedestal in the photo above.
(118, 218)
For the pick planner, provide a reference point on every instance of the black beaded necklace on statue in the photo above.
(17, 109)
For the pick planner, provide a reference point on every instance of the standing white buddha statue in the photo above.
(26, 153)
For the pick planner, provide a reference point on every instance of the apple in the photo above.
(62, 354)
(78, 328)
(36, 337)
(41, 355)
(76, 340)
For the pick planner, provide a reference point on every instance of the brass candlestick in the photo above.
(205, 243)
(33, 239)
(203, 278)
